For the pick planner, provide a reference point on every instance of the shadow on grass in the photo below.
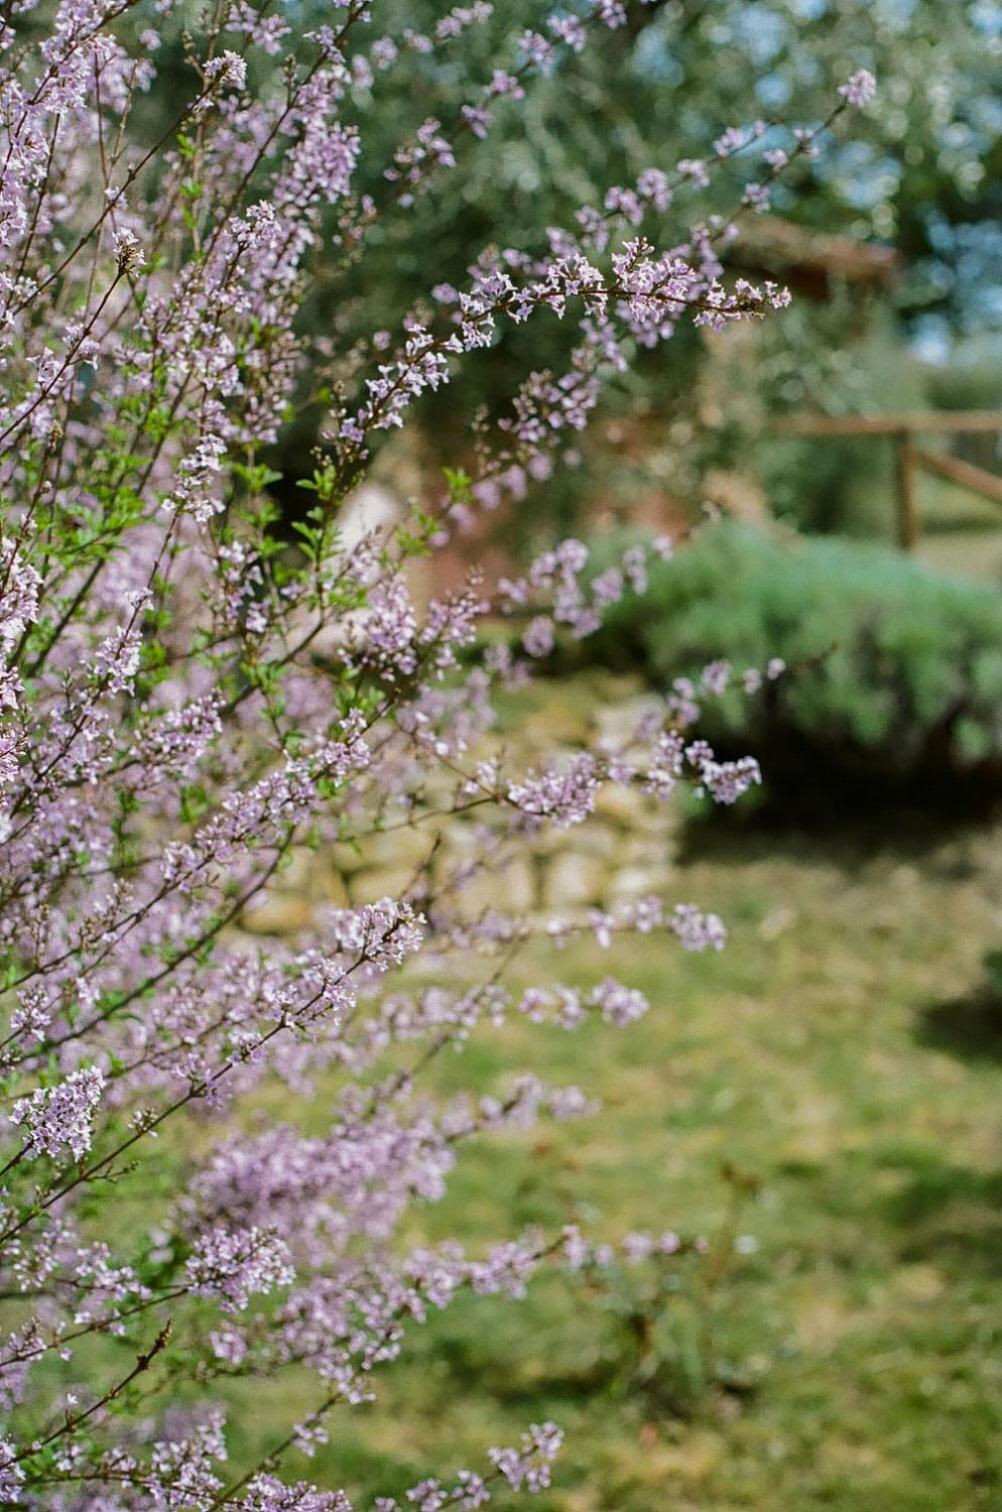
(765, 830)
(950, 1215)
(968, 1026)
(505, 1382)
(831, 791)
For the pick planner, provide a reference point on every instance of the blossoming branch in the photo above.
(187, 701)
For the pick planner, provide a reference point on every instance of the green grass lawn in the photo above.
(840, 1346)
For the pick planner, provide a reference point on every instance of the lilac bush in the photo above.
(189, 701)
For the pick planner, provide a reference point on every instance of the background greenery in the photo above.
(919, 173)
(894, 671)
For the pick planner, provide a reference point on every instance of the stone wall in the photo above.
(625, 850)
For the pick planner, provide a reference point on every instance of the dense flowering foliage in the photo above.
(188, 699)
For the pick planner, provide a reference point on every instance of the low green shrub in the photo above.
(892, 669)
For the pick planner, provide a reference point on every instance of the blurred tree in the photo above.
(925, 177)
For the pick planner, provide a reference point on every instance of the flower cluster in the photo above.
(60, 1116)
(190, 705)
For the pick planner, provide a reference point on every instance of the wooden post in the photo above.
(908, 524)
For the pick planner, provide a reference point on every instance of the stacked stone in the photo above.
(626, 850)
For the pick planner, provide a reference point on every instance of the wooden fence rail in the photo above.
(956, 470)
(908, 457)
